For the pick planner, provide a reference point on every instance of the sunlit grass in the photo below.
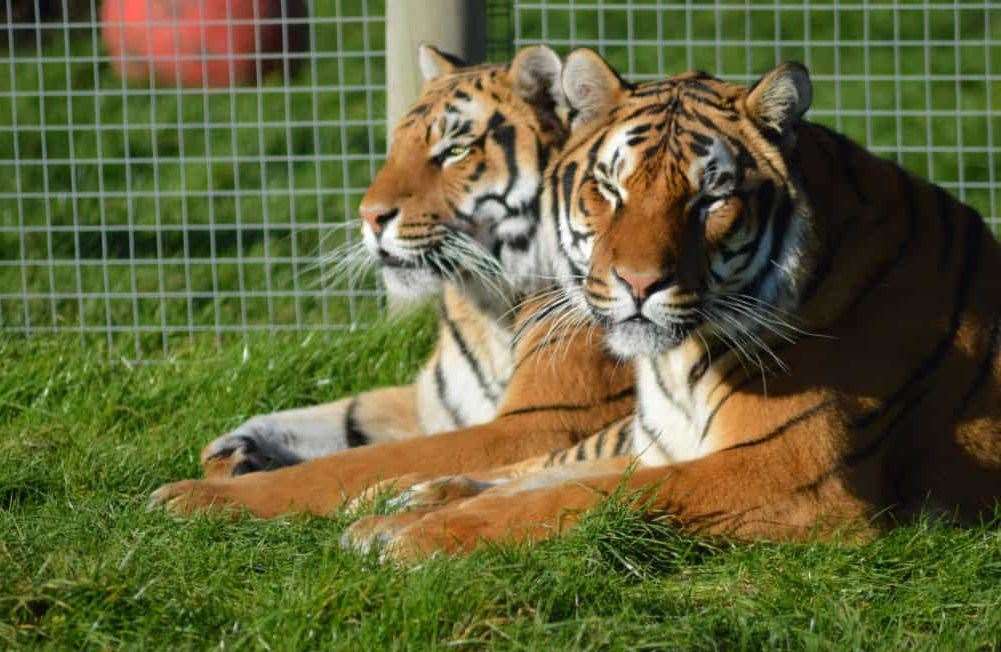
(82, 564)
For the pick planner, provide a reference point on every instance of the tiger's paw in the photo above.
(440, 491)
(260, 444)
(188, 497)
(376, 532)
(419, 490)
(460, 526)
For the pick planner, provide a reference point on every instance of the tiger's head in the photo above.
(457, 199)
(677, 208)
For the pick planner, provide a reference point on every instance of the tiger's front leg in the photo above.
(608, 449)
(546, 407)
(446, 395)
(732, 493)
(322, 485)
(271, 441)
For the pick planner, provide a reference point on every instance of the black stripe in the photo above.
(944, 204)
(481, 167)
(545, 342)
(439, 385)
(581, 453)
(928, 366)
(699, 369)
(932, 361)
(505, 138)
(993, 351)
(569, 174)
(667, 394)
(570, 407)
(780, 220)
(859, 455)
(639, 129)
(474, 365)
(726, 397)
(766, 210)
(888, 266)
(744, 158)
(592, 154)
(835, 236)
(624, 438)
(419, 110)
(542, 151)
(599, 445)
(778, 431)
(353, 433)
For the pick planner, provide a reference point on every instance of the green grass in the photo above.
(84, 439)
(148, 271)
(82, 565)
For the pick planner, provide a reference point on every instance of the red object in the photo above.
(199, 42)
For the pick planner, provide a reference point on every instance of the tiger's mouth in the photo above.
(432, 261)
(638, 335)
(387, 259)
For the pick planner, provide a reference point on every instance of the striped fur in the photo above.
(817, 333)
(508, 382)
(457, 213)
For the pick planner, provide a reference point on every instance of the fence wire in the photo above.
(914, 81)
(141, 214)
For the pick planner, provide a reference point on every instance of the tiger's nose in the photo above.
(642, 284)
(376, 215)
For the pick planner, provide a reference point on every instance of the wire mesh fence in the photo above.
(140, 213)
(914, 81)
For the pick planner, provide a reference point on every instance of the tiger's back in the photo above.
(916, 306)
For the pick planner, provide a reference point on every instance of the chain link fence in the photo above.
(141, 214)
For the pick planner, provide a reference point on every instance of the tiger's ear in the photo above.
(780, 98)
(435, 63)
(535, 75)
(592, 87)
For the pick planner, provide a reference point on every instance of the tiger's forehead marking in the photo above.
(616, 159)
(469, 96)
(679, 125)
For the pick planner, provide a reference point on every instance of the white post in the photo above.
(458, 27)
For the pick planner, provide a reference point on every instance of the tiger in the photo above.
(815, 332)
(508, 389)
(452, 212)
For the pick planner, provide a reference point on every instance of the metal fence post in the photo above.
(455, 26)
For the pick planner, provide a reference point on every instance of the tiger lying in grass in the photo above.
(455, 205)
(710, 230)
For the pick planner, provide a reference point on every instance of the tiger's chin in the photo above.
(636, 338)
(411, 284)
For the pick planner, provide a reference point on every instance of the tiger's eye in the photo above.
(455, 151)
(721, 217)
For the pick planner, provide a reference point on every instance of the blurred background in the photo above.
(144, 205)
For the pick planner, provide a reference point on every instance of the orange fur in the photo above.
(546, 407)
(897, 407)
(503, 123)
